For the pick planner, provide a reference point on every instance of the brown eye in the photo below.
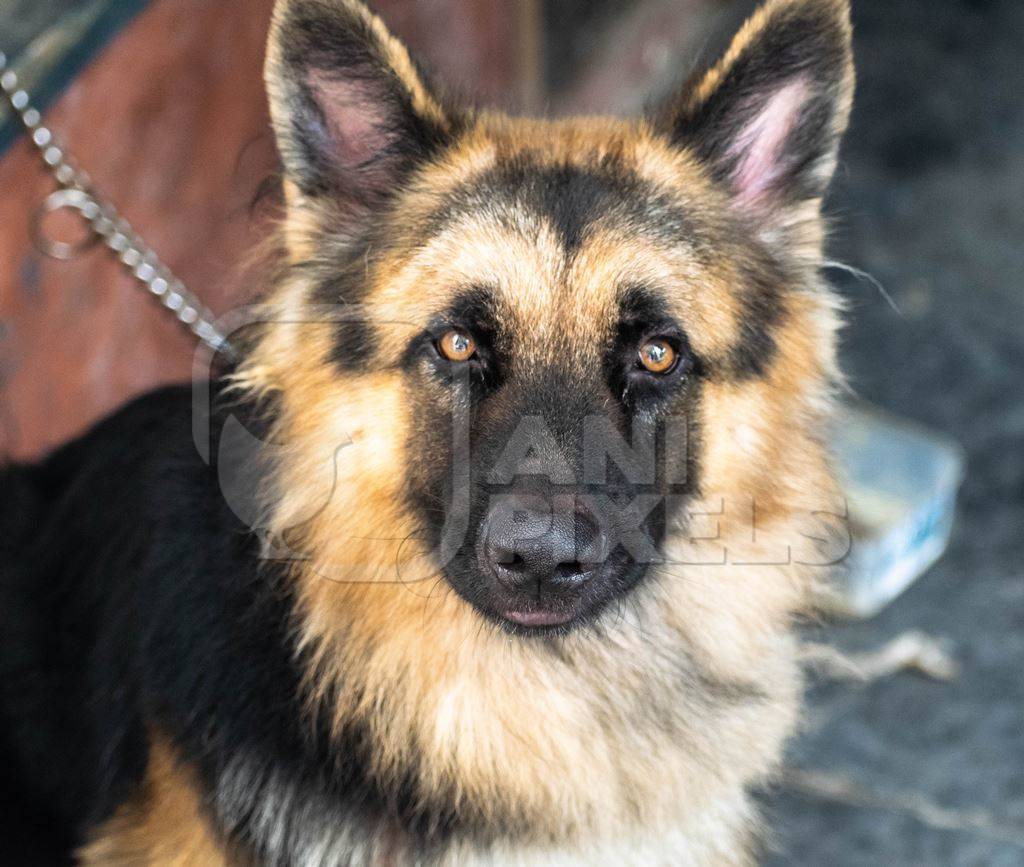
(657, 356)
(456, 345)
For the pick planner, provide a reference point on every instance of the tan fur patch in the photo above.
(163, 825)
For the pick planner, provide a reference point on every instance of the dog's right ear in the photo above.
(351, 113)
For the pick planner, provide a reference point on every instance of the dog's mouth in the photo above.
(542, 610)
(541, 618)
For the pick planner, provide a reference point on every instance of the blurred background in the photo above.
(162, 103)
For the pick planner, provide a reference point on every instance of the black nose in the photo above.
(529, 545)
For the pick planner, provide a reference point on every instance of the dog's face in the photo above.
(551, 374)
(552, 329)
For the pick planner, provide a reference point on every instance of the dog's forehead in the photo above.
(571, 178)
(558, 222)
(557, 218)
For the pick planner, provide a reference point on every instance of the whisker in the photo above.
(832, 264)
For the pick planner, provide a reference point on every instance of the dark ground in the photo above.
(930, 201)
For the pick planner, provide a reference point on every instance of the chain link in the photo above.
(78, 193)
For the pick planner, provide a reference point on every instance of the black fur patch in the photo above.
(571, 198)
(761, 309)
(140, 600)
(643, 314)
(339, 290)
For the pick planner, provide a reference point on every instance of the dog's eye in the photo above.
(456, 345)
(658, 356)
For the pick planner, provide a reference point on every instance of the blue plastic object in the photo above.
(900, 481)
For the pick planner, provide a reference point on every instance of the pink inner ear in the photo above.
(758, 149)
(355, 116)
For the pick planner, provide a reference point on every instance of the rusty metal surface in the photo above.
(171, 124)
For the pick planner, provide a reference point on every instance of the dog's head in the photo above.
(562, 379)
(539, 341)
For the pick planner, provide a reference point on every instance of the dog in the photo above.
(540, 482)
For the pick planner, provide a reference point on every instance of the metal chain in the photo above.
(106, 224)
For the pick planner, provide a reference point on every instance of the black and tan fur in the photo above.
(359, 701)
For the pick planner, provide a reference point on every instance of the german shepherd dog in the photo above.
(541, 483)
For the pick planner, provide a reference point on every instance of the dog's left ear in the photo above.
(767, 119)
(351, 112)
